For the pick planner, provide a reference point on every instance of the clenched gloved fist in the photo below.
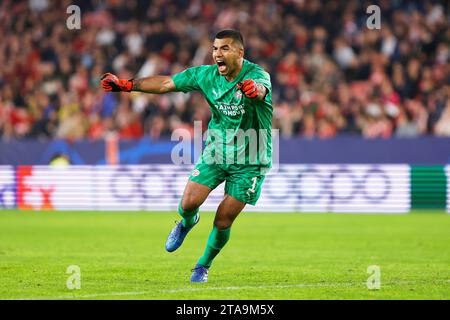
(249, 88)
(110, 82)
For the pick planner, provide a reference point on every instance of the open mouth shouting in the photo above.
(222, 66)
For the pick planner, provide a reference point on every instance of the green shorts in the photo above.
(243, 182)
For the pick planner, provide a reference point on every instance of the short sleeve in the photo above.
(187, 80)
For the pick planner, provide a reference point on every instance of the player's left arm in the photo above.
(253, 89)
(257, 85)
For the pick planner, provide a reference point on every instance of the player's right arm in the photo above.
(152, 84)
(184, 81)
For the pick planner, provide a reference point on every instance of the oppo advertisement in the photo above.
(290, 188)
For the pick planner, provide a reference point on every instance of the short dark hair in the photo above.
(230, 33)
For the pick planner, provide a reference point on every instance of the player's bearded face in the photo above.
(226, 55)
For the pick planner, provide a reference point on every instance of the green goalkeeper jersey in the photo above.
(241, 126)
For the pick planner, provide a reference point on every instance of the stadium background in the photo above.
(363, 115)
(342, 93)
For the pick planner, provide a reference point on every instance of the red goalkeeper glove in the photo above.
(110, 82)
(249, 88)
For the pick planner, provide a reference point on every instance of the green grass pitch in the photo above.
(269, 256)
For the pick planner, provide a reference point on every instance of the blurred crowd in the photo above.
(331, 74)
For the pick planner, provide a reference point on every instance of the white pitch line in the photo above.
(75, 296)
(299, 285)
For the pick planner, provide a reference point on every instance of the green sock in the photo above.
(216, 241)
(189, 217)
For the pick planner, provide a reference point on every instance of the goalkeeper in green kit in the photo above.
(240, 97)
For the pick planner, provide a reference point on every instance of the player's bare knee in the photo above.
(222, 223)
(189, 203)
(188, 206)
(222, 226)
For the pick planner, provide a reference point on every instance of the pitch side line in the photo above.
(300, 285)
(94, 295)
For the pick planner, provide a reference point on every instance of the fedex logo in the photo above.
(31, 194)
